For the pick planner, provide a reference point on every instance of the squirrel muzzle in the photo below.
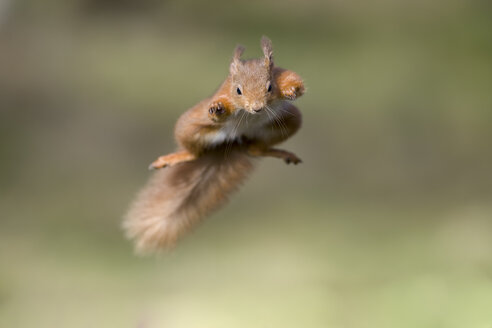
(255, 107)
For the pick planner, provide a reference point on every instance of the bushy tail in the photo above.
(177, 197)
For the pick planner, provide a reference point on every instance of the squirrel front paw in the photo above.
(292, 92)
(217, 111)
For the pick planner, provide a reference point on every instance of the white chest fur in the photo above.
(245, 124)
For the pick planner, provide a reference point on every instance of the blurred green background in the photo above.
(387, 223)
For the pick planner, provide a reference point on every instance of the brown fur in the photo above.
(176, 198)
(213, 156)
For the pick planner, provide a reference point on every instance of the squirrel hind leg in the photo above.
(287, 156)
(172, 159)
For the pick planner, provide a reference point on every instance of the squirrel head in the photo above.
(252, 85)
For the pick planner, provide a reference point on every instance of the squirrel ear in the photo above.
(236, 59)
(266, 46)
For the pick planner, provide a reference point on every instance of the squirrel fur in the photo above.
(249, 113)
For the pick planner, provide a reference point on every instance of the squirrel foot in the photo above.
(290, 84)
(289, 157)
(171, 159)
(292, 92)
(217, 111)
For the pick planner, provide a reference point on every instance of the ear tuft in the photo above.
(266, 46)
(238, 51)
(236, 59)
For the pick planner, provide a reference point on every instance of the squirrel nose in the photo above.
(257, 107)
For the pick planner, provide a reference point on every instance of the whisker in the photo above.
(278, 120)
(230, 141)
(285, 111)
(269, 110)
(270, 118)
(281, 119)
(234, 131)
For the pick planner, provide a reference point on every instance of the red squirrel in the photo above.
(249, 113)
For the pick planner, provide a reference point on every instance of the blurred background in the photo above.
(387, 223)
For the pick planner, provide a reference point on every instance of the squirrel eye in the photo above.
(269, 87)
(239, 91)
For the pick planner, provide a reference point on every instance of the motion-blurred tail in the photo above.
(177, 197)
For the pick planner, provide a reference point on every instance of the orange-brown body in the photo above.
(247, 115)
